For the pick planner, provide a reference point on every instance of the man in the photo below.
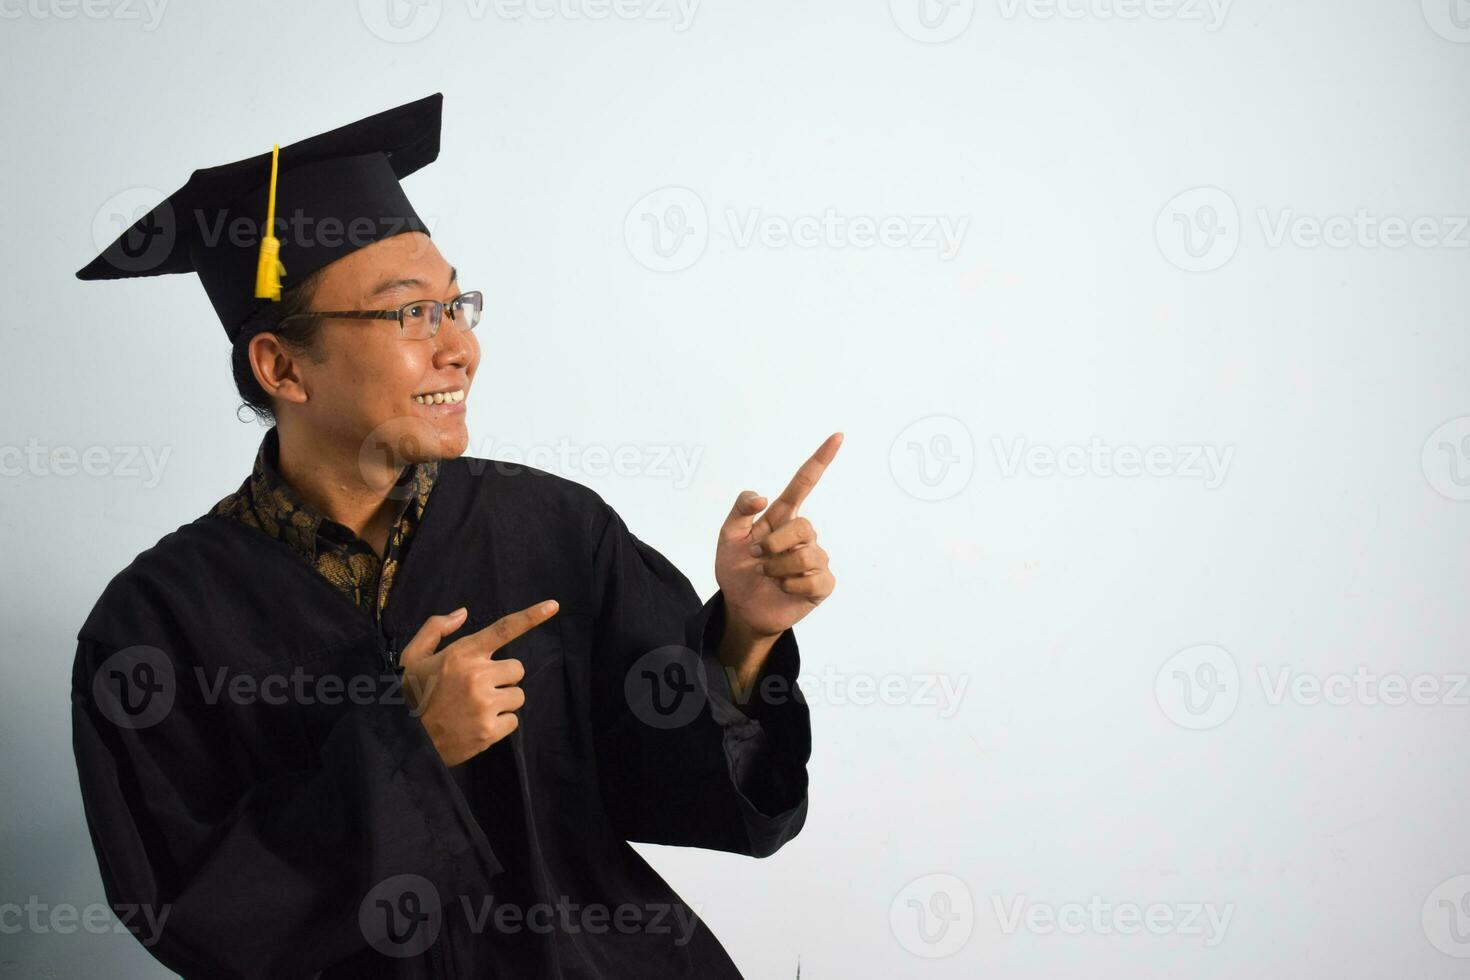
(389, 710)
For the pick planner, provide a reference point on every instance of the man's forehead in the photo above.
(393, 282)
(409, 261)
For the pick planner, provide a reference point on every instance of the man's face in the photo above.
(364, 380)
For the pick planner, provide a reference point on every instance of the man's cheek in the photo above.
(408, 369)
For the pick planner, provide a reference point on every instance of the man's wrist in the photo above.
(742, 654)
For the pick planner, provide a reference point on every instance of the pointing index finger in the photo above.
(810, 472)
(515, 624)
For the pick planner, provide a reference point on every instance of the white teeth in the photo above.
(441, 397)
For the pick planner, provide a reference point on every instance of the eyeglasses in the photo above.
(418, 320)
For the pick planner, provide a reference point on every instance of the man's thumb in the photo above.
(742, 515)
(427, 639)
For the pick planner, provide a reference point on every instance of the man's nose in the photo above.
(452, 345)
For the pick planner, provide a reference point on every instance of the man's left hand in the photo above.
(770, 568)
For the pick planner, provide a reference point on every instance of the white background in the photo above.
(1087, 300)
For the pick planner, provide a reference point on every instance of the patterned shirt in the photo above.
(267, 502)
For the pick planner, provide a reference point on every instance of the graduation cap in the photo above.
(288, 212)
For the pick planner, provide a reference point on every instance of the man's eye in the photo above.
(415, 311)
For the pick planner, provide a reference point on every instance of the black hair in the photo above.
(300, 335)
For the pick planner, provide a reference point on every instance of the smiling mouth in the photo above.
(440, 397)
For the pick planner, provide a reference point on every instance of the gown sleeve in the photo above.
(704, 773)
(261, 877)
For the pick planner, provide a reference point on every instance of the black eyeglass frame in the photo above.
(436, 319)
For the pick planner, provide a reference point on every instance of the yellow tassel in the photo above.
(269, 270)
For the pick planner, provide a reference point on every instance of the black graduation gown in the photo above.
(281, 821)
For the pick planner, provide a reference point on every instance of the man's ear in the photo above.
(277, 369)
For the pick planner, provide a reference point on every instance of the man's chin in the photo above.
(453, 444)
(447, 439)
(406, 440)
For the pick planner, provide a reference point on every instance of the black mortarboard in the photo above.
(334, 194)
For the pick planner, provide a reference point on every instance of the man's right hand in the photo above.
(466, 701)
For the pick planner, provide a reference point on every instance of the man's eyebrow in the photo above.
(390, 284)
